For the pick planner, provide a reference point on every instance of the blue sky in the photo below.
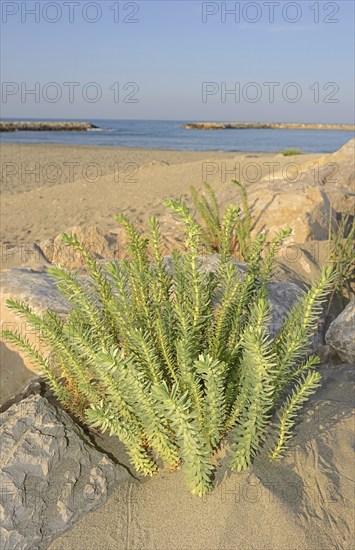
(176, 50)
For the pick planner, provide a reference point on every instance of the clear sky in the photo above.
(285, 61)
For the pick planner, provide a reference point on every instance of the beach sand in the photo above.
(303, 502)
(47, 189)
(306, 501)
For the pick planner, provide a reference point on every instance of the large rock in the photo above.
(340, 335)
(347, 149)
(331, 174)
(342, 201)
(23, 255)
(344, 163)
(36, 289)
(51, 475)
(306, 211)
(13, 373)
(340, 182)
(302, 262)
(102, 245)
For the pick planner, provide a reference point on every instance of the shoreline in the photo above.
(134, 148)
(125, 148)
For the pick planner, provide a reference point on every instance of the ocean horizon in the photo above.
(168, 134)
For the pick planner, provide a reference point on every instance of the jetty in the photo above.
(265, 126)
(45, 126)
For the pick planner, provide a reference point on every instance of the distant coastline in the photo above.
(156, 134)
(265, 126)
(39, 126)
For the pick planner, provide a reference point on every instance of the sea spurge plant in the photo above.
(170, 356)
(230, 232)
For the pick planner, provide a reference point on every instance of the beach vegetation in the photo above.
(232, 229)
(342, 257)
(291, 152)
(171, 357)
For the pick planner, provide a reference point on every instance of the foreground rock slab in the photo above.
(51, 474)
(340, 335)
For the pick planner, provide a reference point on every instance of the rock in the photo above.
(307, 212)
(13, 373)
(35, 289)
(35, 386)
(102, 244)
(333, 174)
(327, 355)
(347, 149)
(51, 474)
(302, 262)
(341, 201)
(283, 296)
(23, 255)
(340, 335)
(264, 125)
(342, 170)
(44, 126)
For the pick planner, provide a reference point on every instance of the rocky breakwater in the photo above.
(45, 126)
(265, 126)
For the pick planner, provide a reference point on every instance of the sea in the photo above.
(169, 134)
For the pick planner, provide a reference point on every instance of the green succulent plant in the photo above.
(232, 230)
(172, 357)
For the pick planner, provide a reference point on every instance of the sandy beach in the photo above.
(177, 275)
(47, 189)
(304, 502)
